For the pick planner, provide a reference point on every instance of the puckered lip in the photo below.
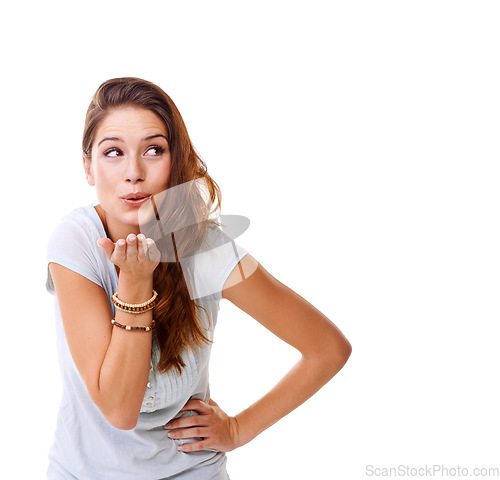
(135, 196)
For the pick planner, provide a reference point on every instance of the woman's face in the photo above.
(130, 162)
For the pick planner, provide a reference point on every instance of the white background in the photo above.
(361, 140)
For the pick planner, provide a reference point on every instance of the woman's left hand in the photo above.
(218, 430)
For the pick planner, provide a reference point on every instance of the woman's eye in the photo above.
(156, 150)
(112, 152)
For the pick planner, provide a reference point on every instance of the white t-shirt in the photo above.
(86, 445)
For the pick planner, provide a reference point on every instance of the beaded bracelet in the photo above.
(131, 327)
(135, 307)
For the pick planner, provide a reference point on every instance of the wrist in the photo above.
(245, 432)
(134, 289)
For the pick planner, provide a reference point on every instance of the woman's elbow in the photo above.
(125, 425)
(343, 353)
(123, 417)
(122, 420)
(336, 355)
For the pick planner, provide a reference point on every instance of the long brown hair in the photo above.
(178, 326)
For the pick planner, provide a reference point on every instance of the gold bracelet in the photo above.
(132, 327)
(135, 307)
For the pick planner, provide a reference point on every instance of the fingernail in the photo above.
(121, 243)
(98, 242)
(170, 434)
(167, 426)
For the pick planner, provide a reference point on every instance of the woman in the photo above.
(138, 280)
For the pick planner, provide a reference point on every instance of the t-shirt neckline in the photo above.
(97, 220)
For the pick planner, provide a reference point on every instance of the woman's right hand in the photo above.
(136, 255)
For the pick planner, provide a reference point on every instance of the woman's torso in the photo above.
(85, 444)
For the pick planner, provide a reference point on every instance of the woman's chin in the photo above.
(146, 212)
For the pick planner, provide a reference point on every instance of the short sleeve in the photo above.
(72, 245)
(207, 271)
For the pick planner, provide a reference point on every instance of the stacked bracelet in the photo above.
(135, 307)
(132, 327)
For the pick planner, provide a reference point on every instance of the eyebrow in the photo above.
(144, 139)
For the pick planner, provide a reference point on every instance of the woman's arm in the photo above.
(113, 363)
(323, 347)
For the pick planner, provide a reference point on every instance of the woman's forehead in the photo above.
(130, 117)
(132, 122)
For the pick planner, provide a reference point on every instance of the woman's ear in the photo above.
(87, 166)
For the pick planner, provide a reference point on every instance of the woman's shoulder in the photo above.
(73, 244)
(83, 216)
(213, 262)
(80, 223)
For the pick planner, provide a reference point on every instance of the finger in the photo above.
(194, 447)
(153, 252)
(142, 247)
(185, 422)
(197, 406)
(107, 245)
(131, 246)
(183, 433)
(211, 402)
(119, 252)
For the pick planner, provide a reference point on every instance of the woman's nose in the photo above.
(134, 171)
